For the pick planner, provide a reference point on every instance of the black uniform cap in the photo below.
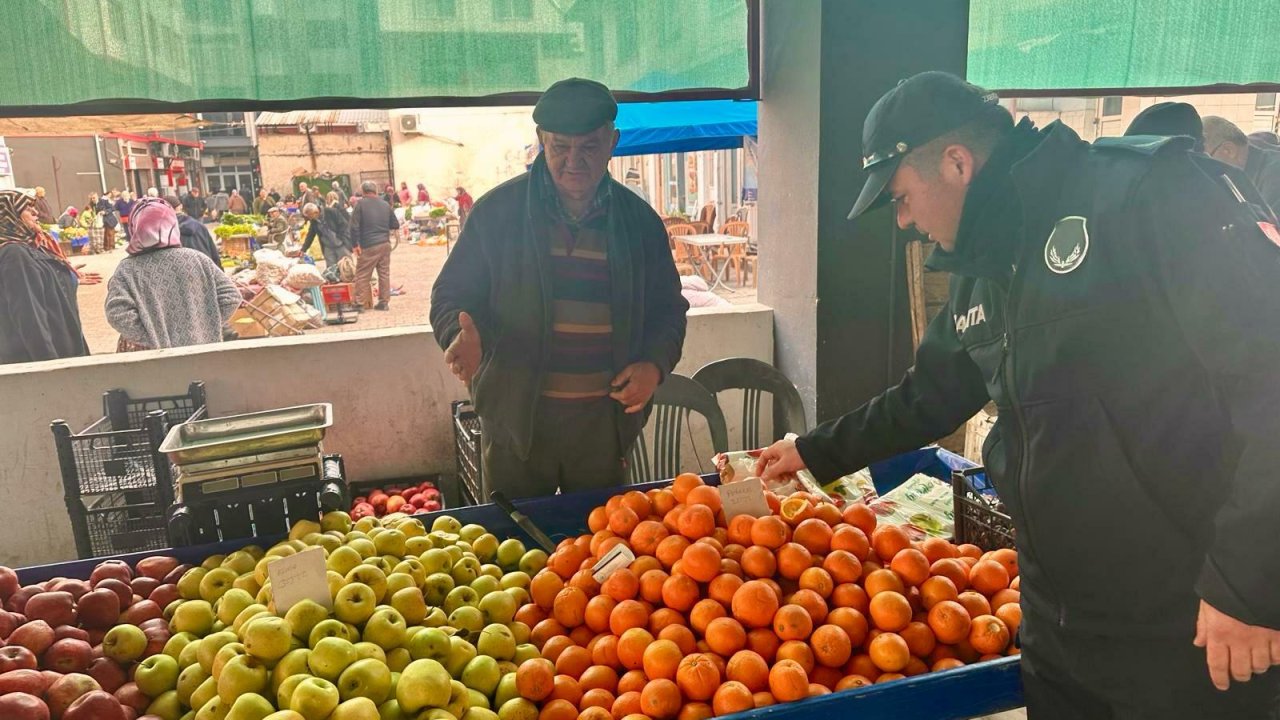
(575, 107)
(919, 109)
(1168, 119)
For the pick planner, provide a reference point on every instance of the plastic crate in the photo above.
(259, 511)
(980, 516)
(466, 440)
(128, 413)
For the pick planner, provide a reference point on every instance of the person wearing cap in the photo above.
(560, 306)
(1119, 306)
(1259, 160)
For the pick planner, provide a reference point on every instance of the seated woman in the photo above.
(165, 295)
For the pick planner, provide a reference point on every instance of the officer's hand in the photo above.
(636, 384)
(1234, 650)
(780, 458)
(463, 355)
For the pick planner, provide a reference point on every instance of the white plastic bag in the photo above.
(272, 266)
(303, 276)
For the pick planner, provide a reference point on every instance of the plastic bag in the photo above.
(272, 266)
(303, 276)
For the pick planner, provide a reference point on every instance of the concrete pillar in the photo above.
(829, 280)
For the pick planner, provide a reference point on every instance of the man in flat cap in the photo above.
(560, 307)
(1119, 305)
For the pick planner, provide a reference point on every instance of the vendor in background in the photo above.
(561, 400)
(465, 203)
(236, 203)
(424, 197)
(330, 225)
(277, 227)
(262, 202)
(43, 212)
(124, 208)
(39, 315)
(163, 294)
(405, 196)
(68, 217)
(194, 235)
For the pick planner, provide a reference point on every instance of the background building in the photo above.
(355, 143)
(1109, 116)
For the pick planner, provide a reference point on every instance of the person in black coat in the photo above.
(193, 233)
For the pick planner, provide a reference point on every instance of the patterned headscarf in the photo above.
(12, 229)
(152, 225)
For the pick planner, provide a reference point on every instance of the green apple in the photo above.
(193, 616)
(430, 643)
(250, 707)
(412, 527)
(216, 583)
(479, 713)
(165, 706)
(465, 571)
(390, 710)
(355, 603)
(355, 533)
(449, 524)
(526, 651)
(485, 547)
(206, 692)
(208, 648)
(412, 567)
(293, 663)
(170, 609)
(385, 628)
(314, 698)
(497, 641)
(124, 643)
(455, 554)
(411, 604)
(330, 657)
(485, 584)
(460, 653)
(369, 650)
(520, 594)
(390, 542)
(518, 709)
(520, 632)
(248, 583)
(239, 562)
(471, 531)
(335, 520)
(398, 581)
(242, 674)
(343, 560)
(467, 618)
(374, 577)
(424, 683)
(303, 528)
(364, 546)
(355, 709)
(231, 604)
(188, 680)
(417, 545)
(481, 673)
(263, 597)
(435, 560)
(328, 542)
(507, 666)
(212, 561)
(280, 550)
(189, 583)
(267, 638)
(399, 659)
(177, 643)
(156, 675)
(365, 524)
(248, 614)
(459, 699)
(228, 651)
(515, 579)
(435, 618)
(215, 709)
(476, 699)
(304, 616)
(532, 562)
(367, 679)
(284, 715)
(384, 562)
(506, 690)
(436, 714)
(459, 597)
(437, 587)
(509, 553)
(285, 692)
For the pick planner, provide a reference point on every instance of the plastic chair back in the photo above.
(755, 378)
(675, 398)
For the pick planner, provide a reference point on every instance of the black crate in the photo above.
(260, 511)
(127, 412)
(980, 517)
(113, 526)
(466, 440)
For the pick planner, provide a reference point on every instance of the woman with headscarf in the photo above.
(405, 197)
(165, 295)
(39, 316)
(43, 210)
(424, 197)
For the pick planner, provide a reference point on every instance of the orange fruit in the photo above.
(851, 595)
(831, 646)
(594, 712)
(647, 535)
(683, 483)
(546, 631)
(853, 622)
(887, 540)
(825, 676)
(697, 521)
(623, 521)
(671, 549)
(788, 681)
(748, 668)
(544, 587)
(953, 570)
(621, 585)
(663, 500)
(759, 561)
(764, 698)
(1016, 584)
(556, 645)
(851, 540)
(976, 603)
(581, 635)
(796, 509)
(798, 651)
(732, 697)
(969, 550)
(920, 638)
(598, 611)
(843, 566)
(696, 711)
(530, 614)
(651, 585)
(671, 520)
(988, 577)
(882, 580)
(660, 660)
(949, 621)
(890, 611)
(567, 689)
(660, 699)
(567, 560)
(680, 592)
(935, 549)
(889, 652)
(764, 643)
(814, 534)
(535, 679)
(912, 565)
(638, 502)
(599, 677)
(631, 647)
(701, 561)
(849, 682)
(754, 604)
(644, 564)
(703, 612)
(598, 519)
(936, 589)
(558, 710)
(573, 661)
(828, 513)
(792, 622)
(817, 580)
(632, 681)
(739, 530)
(946, 664)
(680, 635)
(723, 587)
(626, 615)
(1008, 558)
(770, 531)
(861, 664)
(793, 559)
(605, 651)
(698, 677)
(1005, 597)
(988, 634)
(662, 618)
(627, 703)
(705, 495)
(812, 602)
(725, 636)
(584, 581)
(1011, 614)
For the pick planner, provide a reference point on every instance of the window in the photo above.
(1112, 105)
(512, 9)
(227, 177)
(1265, 101)
(226, 124)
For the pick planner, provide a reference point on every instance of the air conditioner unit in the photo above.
(409, 124)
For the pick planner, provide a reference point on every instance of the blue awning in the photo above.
(683, 126)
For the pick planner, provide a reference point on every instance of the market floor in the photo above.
(413, 269)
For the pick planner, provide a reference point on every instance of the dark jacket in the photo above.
(372, 221)
(194, 206)
(500, 273)
(39, 315)
(1263, 168)
(331, 228)
(44, 212)
(1135, 371)
(194, 235)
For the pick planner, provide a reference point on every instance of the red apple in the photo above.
(96, 705)
(140, 612)
(99, 608)
(23, 706)
(18, 601)
(70, 631)
(66, 690)
(56, 607)
(77, 588)
(120, 588)
(175, 574)
(431, 506)
(35, 636)
(154, 623)
(130, 696)
(408, 509)
(164, 595)
(68, 656)
(157, 567)
(96, 635)
(9, 622)
(8, 583)
(359, 499)
(107, 672)
(117, 569)
(27, 681)
(143, 585)
(157, 636)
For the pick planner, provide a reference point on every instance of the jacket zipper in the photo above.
(1006, 351)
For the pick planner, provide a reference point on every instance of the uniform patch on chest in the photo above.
(1068, 245)
(976, 316)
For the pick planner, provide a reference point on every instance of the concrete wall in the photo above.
(338, 153)
(491, 151)
(67, 168)
(389, 389)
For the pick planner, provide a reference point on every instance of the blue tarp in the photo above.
(684, 126)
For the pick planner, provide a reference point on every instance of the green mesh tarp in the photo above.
(1117, 44)
(59, 52)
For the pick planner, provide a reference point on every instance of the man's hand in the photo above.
(356, 251)
(463, 355)
(635, 385)
(780, 458)
(87, 278)
(1234, 650)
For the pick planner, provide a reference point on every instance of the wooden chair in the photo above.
(740, 257)
(681, 253)
(669, 221)
(707, 215)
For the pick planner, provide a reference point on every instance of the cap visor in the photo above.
(872, 194)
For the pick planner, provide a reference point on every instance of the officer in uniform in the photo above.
(1121, 308)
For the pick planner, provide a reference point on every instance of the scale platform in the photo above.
(216, 478)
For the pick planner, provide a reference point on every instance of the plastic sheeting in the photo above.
(646, 128)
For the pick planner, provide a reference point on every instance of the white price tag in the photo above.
(744, 497)
(298, 577)
(618, 557)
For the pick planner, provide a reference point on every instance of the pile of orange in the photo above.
(717, 615)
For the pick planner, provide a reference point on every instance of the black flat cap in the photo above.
(1167, 119)
(919, 109)
(575, 107)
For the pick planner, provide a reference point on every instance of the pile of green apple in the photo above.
(422, 627)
